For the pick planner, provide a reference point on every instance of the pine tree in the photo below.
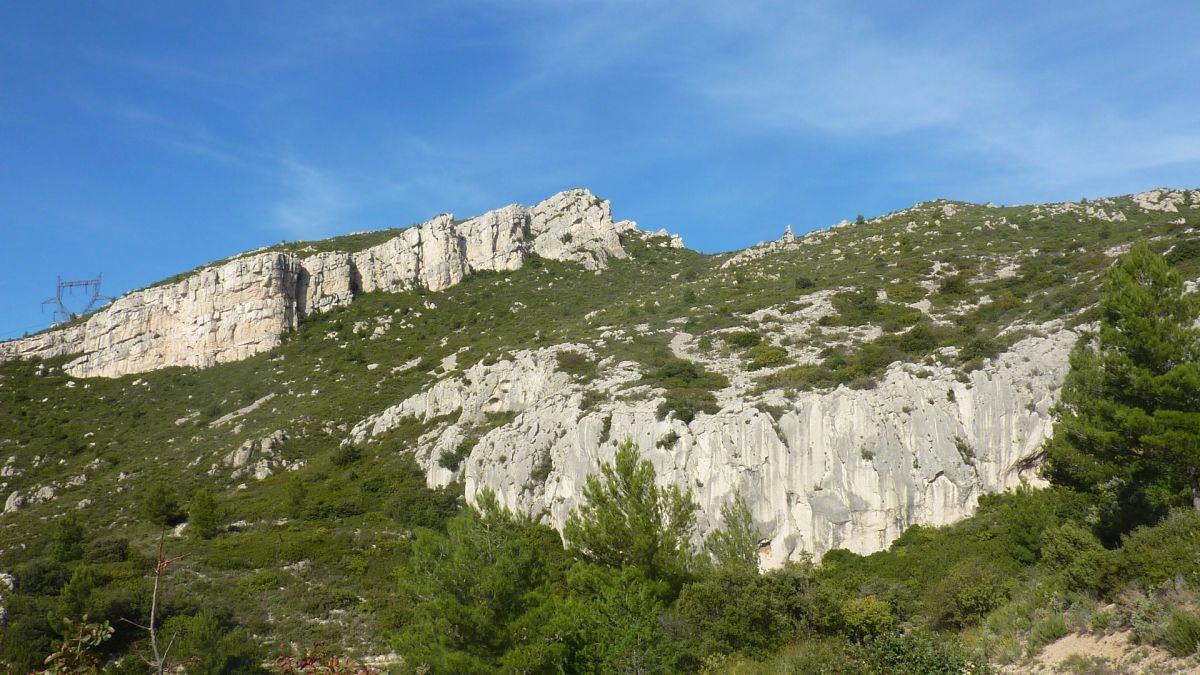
(204, 514)
(1129, 420)
(66, 539)
(735, 545)
(626, 520)
(160, 505)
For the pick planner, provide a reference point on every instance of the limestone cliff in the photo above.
(820, 470)
(219, 314)
(915, 435)
(243, 307)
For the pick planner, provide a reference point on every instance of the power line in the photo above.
(22, 331)
(90, 289)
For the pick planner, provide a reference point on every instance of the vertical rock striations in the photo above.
(243, 307)
(845, 468)
(218, 314)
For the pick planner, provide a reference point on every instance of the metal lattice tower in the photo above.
(89, 289)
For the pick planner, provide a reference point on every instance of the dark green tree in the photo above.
(617, 616)
(735, 544)
(626, 520)
(160, 505)
(1129, 421)
(731, 610)
(208, 646)
(461, 593)
(75, 598)
(66, 539)
(297, 495)
(204, 514)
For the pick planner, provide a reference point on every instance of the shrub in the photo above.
(577, 365)
(967, 592)
(766, 356)
(668, 440)
(107, 550)
(734, 611)
(1188, 249)
(955, 285)
(917, 652)
(296, 495)
(857, 304)
(453, 459)
(66, 539)
(541, 470)
(211, 647)
(919, 340)
(1156, 555)
(684, 404)
(856, 308)
(672, 372)
(345, 455)
(1048, 629)
(865, 617)
(41, 577)
(743, 339)
(1074, 553)
(964, 448)
(803, 283)
(591, 398)
(413, 503)
(160, 505)
(204, 514)
(1182, 632)
(905, 291)
(979, 348)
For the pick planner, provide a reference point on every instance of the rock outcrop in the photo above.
(844, 468)
(15, 502)
(243, 307)
(218, 314)
(263, 452)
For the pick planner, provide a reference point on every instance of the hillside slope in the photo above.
(849, 383)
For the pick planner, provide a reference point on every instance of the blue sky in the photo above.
(139, 140)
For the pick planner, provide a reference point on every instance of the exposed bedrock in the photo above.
(244, 306)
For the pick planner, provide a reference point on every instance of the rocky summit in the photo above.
(240, 307)
(847, 384)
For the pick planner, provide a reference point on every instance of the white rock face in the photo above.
(244, 307)
(1161, 199)
(845, 468)
(15, 502)
(577, 226)
(264, 452)
(509, 385)
(219, 314)
(326, 281)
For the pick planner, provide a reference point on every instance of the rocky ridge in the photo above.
(844, 468)
(243, 307)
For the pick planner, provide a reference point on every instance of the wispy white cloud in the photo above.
(311, 203)
(840, 72)
(835, 72)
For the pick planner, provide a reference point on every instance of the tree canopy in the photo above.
(626, 520)
(1129, 420)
